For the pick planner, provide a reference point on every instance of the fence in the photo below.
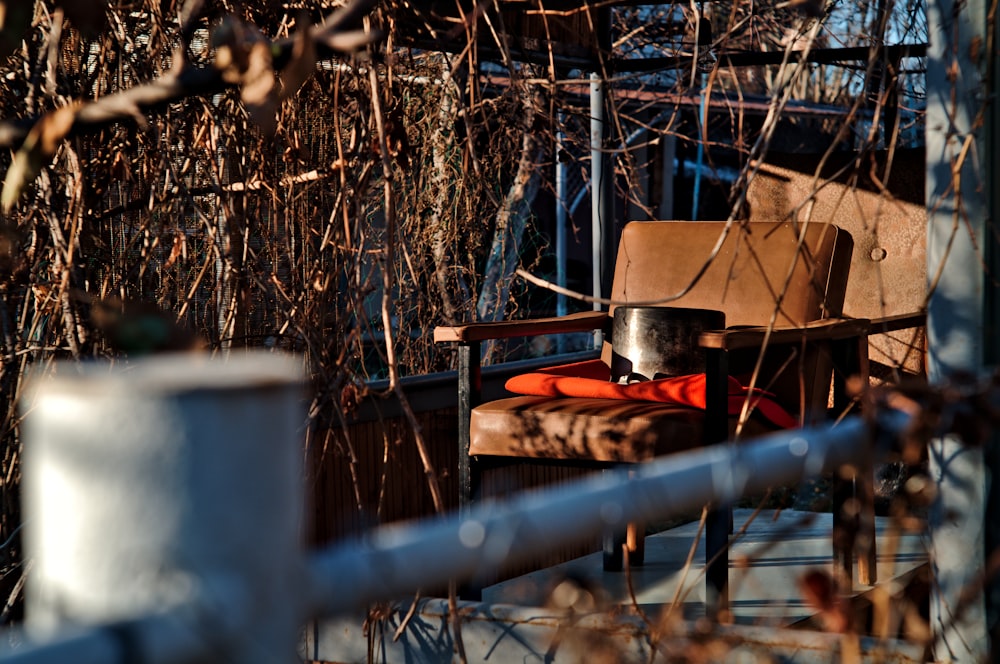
(163, 513)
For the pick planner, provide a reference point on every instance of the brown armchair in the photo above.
(781, 288)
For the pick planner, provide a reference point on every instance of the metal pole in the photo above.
(956, 228)
(597, 176)
(562, 219)
(700, 153)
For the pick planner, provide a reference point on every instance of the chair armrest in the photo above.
(899, 322)
(583, 321)
(828, 329)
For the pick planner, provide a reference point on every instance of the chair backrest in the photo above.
(757, 263)
(757, 266)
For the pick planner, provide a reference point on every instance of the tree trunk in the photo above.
(512, 219)
(442, 147)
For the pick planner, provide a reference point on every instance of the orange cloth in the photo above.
(592, 379)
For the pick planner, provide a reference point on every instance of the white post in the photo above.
(562, 215)
(598, 224)
(957, 231)
(169, 486)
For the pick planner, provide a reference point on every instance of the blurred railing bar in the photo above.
(396, 560)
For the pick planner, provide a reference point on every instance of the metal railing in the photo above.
(193, 600)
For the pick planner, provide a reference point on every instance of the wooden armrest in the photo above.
(751, 337)
(899, 322)
(583, 321)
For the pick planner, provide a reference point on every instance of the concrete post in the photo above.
(169, 486)
(956, 228)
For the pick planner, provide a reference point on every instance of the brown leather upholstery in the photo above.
(661, 259)
(604, 430)
(575, 428)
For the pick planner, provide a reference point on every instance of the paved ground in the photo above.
(767, 565)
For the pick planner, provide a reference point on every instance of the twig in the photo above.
(15, 594)
(176, 85)
(631, 589)
(412, 611)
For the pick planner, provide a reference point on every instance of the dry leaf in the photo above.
(176, 251)
(258, 90)
(41, 144)
(26, 165)
(347, 42)
(349, 398)
(44, 302)
(820, 592)
(301, 66)
(190, 11)
(233, 41)
(243, 56)
(53, 127)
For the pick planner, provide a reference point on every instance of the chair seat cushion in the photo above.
(601, 430)
(605, 430)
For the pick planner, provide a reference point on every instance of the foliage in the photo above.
(294, 188)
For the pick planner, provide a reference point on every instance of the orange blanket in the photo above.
(592, 379)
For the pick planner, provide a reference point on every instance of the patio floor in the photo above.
(766, 565)
(516, 622)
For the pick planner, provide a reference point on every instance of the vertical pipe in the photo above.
(608, 203)
(597, 176)
(669, 157)
(700, 155)
(562, 218)
(956, 227)
(598, 166)
(170, 486)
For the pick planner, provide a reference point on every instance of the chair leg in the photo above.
(845, 529)
(612, 547)
(866, 548)
(469, 471)
(717, 528)
(471, 590)
(718, 522)
(854, 528)
(635, 539)
(853, 491)
(469, 396)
